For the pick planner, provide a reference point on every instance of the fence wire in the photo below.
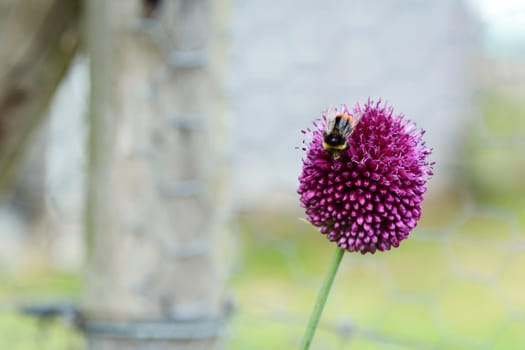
(456, 283)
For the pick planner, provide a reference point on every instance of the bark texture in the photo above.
(39, 40)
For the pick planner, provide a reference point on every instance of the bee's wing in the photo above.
(355, 119)
(348, 124)
(331, 114)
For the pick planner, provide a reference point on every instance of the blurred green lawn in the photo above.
(19, 332)
(456, 283)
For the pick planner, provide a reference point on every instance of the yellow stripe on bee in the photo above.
(337, 148)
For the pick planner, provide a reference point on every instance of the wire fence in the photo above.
(456, 283)
(453, 286)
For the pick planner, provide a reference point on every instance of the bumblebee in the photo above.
(339, 126)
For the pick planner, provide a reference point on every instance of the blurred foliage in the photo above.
(495, 156)
(456, 283)
(29, 287)
(18, 332)
(37, 283)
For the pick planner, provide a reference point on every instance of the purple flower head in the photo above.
(368, 196)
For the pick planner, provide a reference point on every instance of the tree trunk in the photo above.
(38, 41)
(157, 183)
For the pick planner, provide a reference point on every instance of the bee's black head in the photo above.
(334, 140)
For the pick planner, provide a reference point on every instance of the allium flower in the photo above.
(367, 197)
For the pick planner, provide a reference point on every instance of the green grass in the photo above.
(456, 283)
(20, 332)
(462, 290)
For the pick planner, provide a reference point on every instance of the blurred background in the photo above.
(148, 170)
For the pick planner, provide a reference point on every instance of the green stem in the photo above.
(321, 299)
